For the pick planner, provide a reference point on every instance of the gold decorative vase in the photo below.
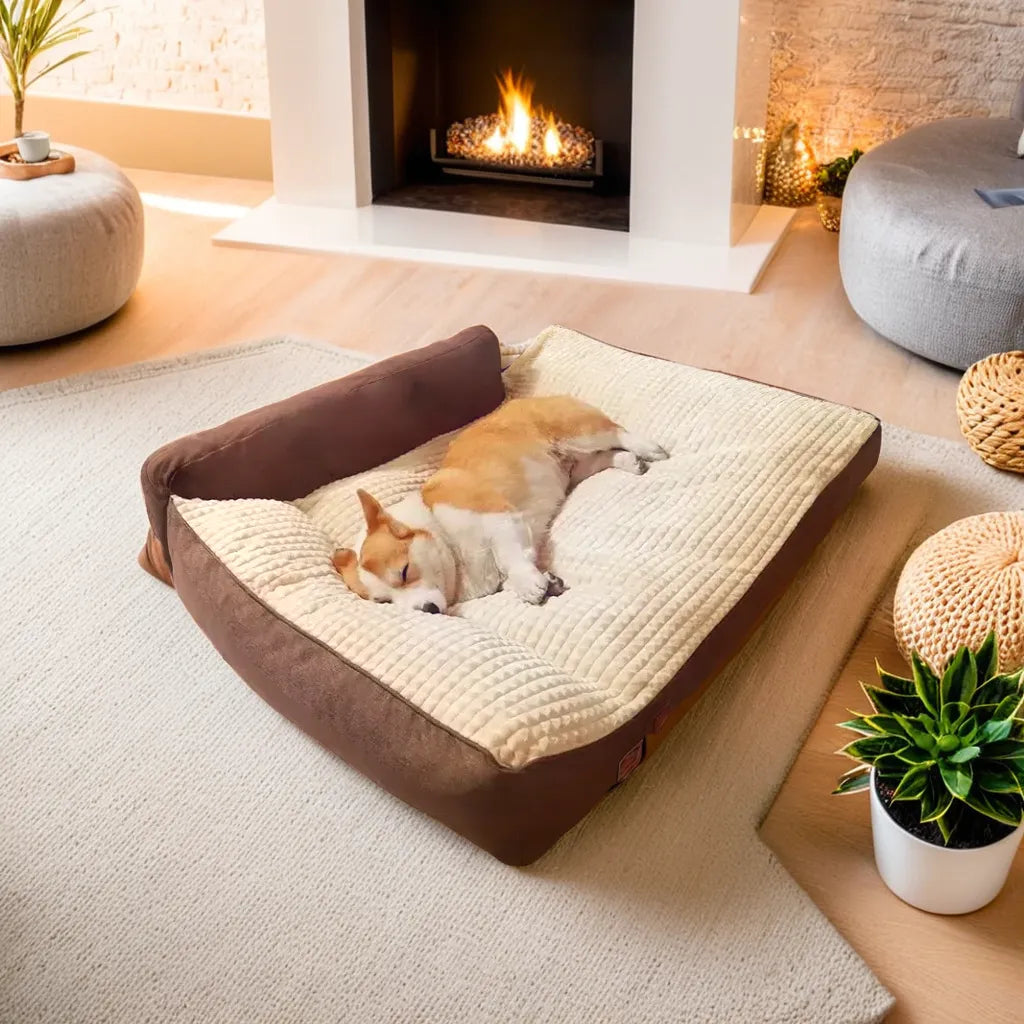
(789, 170)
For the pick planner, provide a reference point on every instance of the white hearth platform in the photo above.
(465, 239)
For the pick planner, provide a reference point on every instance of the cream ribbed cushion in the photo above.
(961, 583)
(654, 562)
(990, 408)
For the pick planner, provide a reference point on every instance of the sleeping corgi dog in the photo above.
(478, 523)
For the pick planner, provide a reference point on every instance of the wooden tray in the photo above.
(56, 163)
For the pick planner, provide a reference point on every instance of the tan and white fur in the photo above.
(478, 523)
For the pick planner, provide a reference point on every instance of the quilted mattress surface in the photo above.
(653, 563)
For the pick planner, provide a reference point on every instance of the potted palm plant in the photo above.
(28, 30)
(942, 756)
(831, 180)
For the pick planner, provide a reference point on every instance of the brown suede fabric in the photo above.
(514, 814)
(346, 426)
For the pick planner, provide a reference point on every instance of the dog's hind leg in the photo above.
(586, 466)
(615, 438)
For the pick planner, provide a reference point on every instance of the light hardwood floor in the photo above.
(797, 331)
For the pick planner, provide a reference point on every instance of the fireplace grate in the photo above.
(585, 177)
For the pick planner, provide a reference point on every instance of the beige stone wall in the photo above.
(853, 71)
(856, 72)
(209, 54)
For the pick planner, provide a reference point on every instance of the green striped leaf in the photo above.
(853, 782)
(913, 784)
(957, 777)
(995, 730)
(861, 725)
(887, 703)
(936, 799)
(987, 657)
(953, 714)
(1005, 750)
(948, 822)
(921, 737)
(890, 767)
(894, 684)
(997, 689)
(998, 777)
(926, 683)
(965, 754)
(1004, 807)
(869, 748)
(1009, 707)
(960, 679)
(915, 755)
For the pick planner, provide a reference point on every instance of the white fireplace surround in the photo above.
(700, 85)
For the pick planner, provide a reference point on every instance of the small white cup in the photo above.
(34, 147)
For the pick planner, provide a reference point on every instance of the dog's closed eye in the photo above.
(382, 600)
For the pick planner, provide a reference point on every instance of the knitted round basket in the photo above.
(960, 584)
(990, 408)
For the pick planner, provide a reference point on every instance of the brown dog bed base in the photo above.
(506, 721)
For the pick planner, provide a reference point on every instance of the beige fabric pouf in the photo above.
(70, 249)
(960, 584)
(990, 409)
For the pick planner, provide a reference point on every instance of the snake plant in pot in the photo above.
(942, 755)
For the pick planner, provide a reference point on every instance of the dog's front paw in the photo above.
(629, 463)
(529, 584)
(556, 585)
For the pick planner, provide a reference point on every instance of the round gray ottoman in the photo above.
(70, 249)
(924, 260)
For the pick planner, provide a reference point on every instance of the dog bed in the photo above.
(505, 721)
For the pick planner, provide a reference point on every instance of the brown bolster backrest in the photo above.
(346, 426)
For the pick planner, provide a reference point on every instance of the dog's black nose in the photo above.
(431, 609)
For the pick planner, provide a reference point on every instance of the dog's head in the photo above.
(397, 564)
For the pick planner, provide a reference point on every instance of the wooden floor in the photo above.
(797, 331)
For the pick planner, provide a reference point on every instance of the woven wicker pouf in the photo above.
(961, 583)
(990, 407)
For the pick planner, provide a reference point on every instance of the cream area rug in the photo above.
(172, 850)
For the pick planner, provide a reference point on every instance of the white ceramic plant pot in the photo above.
(934, 878)
(34, 147)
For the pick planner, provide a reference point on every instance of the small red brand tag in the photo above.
(631, 760)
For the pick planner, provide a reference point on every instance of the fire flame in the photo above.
(521, 134)
(517, 113)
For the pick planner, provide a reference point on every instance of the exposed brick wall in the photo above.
(179, 53)
(856, 72)
(852, 71)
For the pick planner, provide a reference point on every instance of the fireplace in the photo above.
(511, 109)
(392, 136)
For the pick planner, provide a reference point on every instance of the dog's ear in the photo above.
(376, 517)
(346, 561)
(373, 511)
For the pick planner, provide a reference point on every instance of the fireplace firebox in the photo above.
(509, 108)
